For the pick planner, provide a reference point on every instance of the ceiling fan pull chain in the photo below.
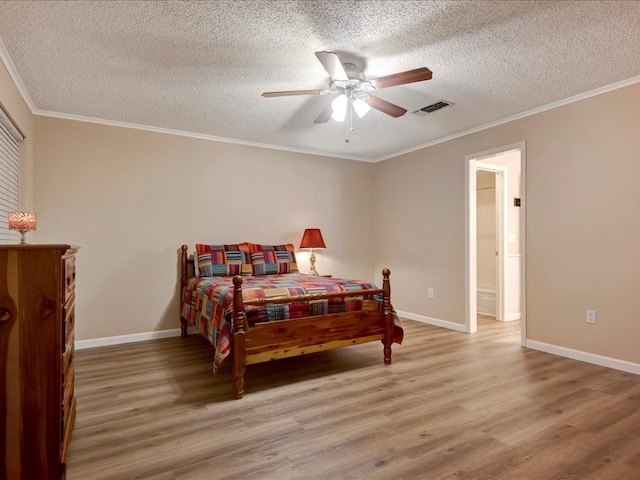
(349, 120)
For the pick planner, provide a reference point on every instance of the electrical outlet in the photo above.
(430, 293)
(591, 316)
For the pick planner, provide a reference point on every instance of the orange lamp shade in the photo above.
(312, 238)
(22, 221)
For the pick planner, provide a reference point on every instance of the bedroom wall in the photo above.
(130, 198)
(13, 103)
(583, 227)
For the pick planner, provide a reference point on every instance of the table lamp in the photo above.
(312, 239)
(23, 222)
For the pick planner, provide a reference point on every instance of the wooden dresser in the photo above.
(37, 402)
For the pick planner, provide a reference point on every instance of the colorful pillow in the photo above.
(196, 270)
(270, 259)
(220, 260)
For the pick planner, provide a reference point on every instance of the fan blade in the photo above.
(332, 65)
(325, 115)
(410, 76)
(384, 106)
(294, 92)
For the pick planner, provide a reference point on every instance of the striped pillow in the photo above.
(221, 260)
(270, 259)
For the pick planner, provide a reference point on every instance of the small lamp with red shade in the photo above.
(312, 239)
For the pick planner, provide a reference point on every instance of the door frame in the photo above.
(471, 306)
(502, 229)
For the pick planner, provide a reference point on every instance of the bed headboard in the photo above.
(187, 267)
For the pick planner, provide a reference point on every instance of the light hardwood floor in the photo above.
(451, 406)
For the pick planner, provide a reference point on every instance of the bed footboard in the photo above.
(280, 339)
(239, 339)
(388, 318)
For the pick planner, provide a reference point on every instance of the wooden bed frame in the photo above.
(287, 338)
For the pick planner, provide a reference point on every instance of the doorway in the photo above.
(506, 164)
(491, 240)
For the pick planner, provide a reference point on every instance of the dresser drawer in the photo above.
(68, 383)
(68, 322)
(67, 365)
(68, 416)
(69, 276)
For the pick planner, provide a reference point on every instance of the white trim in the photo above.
(517, 116)
(608, 362)
(523, 243)
(432, 321)
(201, 136)
(135, 337)
(470, 247)
(486, 301)
(514, 264)
(472, 165)
(486, 290)
(13, 73)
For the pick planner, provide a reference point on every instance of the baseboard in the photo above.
(603, 361)
(142, 337)
(486, 300)
(514, 316)
(136, 337)
(433, 321)
(609, 362)
(491, 291)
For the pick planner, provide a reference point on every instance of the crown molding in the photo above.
(201, 136)
(518, 116)
(13, 73)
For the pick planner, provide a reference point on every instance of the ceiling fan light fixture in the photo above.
(339, 106)
(352, 88)
(361, 107)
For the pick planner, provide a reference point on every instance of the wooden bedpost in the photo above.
(388, 318)
(183, 283)
(239, 354)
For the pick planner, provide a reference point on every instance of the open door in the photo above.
(510, 249)
(501, 233)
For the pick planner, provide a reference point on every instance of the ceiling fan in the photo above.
(355, 90)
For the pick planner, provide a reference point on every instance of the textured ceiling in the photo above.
(200, 67)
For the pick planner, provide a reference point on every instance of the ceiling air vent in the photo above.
(432, 108)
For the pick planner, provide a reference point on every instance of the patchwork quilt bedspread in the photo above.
(207, 302)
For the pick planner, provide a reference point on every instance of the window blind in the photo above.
(10, 139)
